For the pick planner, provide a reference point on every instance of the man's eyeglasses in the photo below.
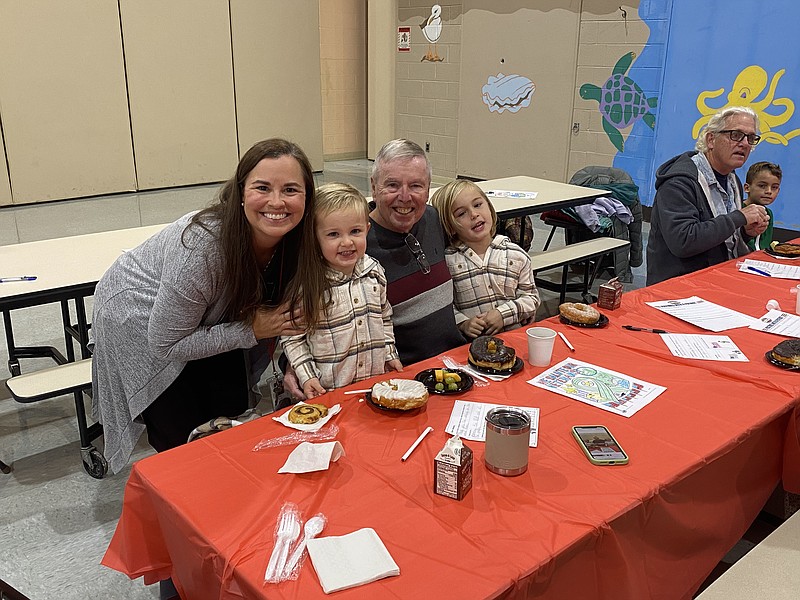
(738, 136)
(416, 250)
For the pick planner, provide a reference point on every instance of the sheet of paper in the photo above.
(703, 347)
(468, 421)
(778, 270)
(598, 387)
(780, 323)
(704, 314)
(512, 194)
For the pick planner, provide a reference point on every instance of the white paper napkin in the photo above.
(350, 560)
(308, 457)
(284, 419)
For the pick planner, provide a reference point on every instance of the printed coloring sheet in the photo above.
(597, 386)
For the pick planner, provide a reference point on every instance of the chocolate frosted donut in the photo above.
(492, 353)
(787, 352)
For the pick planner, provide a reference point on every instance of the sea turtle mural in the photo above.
(746, 90)
(622, 102)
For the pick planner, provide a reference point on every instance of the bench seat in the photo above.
(51, 382)
(74, 378)
(589, 252)
(770, 570)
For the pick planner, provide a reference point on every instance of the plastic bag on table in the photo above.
(327, 433)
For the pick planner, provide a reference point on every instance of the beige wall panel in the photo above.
(5, 188)
(277, 73)
(63, 98)
(382, 47)
(180, 85)
(539, 44)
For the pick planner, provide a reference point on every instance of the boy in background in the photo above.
(762, 186)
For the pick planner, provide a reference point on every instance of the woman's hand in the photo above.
(292, 385)
(393, 365)
(274, 322)
(313, 388)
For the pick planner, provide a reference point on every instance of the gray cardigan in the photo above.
(156, 308)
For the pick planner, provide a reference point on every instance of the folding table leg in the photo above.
(564, 276)
(94, 463)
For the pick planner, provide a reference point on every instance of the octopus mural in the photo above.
(507, 92)
(748, 86)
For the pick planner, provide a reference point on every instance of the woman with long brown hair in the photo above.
(182, 323)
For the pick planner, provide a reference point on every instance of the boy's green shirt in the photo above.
(765, 239)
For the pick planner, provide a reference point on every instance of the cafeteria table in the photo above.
(550, 195)
(66, 270)
(705, 456)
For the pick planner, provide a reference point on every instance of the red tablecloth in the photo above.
(704, 457)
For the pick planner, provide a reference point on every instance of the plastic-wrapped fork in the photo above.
(481, 380)
(286, 532)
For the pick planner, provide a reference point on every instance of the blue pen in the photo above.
(759, 271)
(23, 278)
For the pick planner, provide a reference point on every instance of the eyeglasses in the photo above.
(416, 250)
(738, 136)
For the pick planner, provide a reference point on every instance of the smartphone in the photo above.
(599, 445)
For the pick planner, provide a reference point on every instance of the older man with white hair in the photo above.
(407, 238)
(698, 219)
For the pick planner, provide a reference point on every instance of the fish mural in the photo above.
(746, 90)
(507, 92)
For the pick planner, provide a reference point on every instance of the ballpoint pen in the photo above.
(646, 329)
(759, 271)
(22, 278)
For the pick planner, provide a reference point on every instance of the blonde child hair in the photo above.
(332, 197)
(443, 200)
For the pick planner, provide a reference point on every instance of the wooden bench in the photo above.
(589, 252)
(74, 378)
(770, 570)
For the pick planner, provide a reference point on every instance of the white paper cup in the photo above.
(540, 345)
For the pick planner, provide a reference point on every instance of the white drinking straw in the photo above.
(356, 392)
(566, 341)
(415, 444)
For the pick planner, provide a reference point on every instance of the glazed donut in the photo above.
(307, 414)
(400, 394)
(785, 249)
(579, 313)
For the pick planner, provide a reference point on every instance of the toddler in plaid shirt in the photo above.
(492, 277)
(354, 338)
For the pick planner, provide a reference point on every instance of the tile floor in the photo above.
(55, 520)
